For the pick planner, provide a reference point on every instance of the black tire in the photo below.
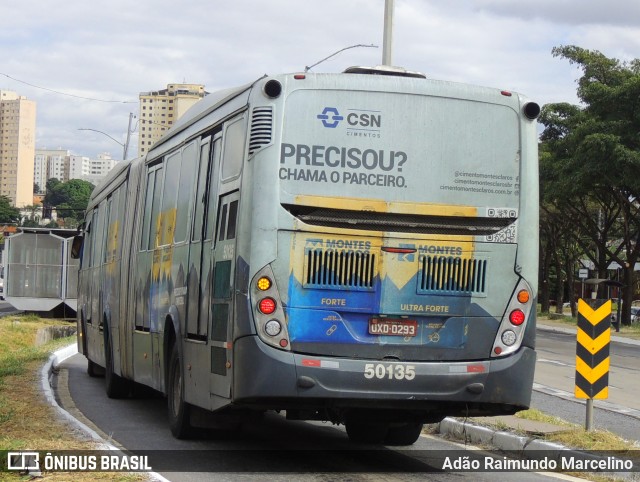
(116, 386)
(93, 369)
(179, 411)
(366, 432)
(405, 434)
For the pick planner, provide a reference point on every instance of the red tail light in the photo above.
(516, 317)
(267, 306)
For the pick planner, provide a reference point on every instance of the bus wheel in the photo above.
(179, 410)
(405, 434)
(116, 386)
(366, 432)
(93, 369)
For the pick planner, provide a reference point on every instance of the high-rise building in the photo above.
(99, 168)
(50, 163)
(160, 109)
(64, 166)
(17, 147)
(79, 167)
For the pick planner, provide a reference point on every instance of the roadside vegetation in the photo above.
(576, 436)
(567, 321)
(27, 421)
(590, 183)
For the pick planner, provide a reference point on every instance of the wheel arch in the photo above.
(171, 335)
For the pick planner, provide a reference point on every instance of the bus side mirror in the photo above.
(76, 246)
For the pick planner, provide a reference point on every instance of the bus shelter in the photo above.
(40, 274)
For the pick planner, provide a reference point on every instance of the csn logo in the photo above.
(330, 117)
(360, 123)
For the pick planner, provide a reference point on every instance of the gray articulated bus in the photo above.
(358, 247)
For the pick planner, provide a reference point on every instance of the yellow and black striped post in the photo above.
(592, 354)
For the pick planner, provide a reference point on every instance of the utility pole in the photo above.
(388, 33)
(125, 146)
(126, 142)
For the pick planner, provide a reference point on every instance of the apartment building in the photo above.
(64, 166)
(160, 109)
(98, 168)
(49, 163)
(17, 147)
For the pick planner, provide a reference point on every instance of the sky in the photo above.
(86, 62)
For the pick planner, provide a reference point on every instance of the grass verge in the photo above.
(576, 436)
(567, 321)
(27, 421)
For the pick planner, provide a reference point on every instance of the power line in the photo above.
(67, 94)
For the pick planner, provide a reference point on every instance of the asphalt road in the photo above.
(555, 381)
(272, 447)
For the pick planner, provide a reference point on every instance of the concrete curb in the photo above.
(46, 375)
(471, 433)
(571, 331)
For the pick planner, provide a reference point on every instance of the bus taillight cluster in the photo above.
(268, 312)
(513, 324)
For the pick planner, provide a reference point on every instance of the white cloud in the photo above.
(113, 50)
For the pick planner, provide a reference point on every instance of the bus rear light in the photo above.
(511, 333)
(509, 337)
(523, 296)
(516, 317)
(273, 328)
(269, 313)
(263, 283)
(299, 76)
(267, 306)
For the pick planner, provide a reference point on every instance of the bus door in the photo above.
(222, 296)
(199, 260)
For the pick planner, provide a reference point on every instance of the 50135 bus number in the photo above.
(391, 372)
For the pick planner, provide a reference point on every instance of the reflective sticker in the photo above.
(307, 362)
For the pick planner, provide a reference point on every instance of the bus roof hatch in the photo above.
(385, 70)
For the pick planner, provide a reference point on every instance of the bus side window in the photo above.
(154, 228)
(188, 167)
(201, 201)
(147, 229)
(234, 138)
(95, 238)
(223, 223)
(231, 225)
(228, 224)
(168, 216)
(105, 231)
(212, 190)
(86, 245)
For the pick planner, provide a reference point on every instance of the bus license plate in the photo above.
(390, 327)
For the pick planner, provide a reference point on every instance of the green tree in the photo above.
(32, 220)
(50, 197)
(8, 213)
(590, 162)
(70, 199)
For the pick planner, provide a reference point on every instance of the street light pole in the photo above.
(125, 146)
(388, 33)
(126, 142)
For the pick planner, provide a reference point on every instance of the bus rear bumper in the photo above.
(281, 380)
